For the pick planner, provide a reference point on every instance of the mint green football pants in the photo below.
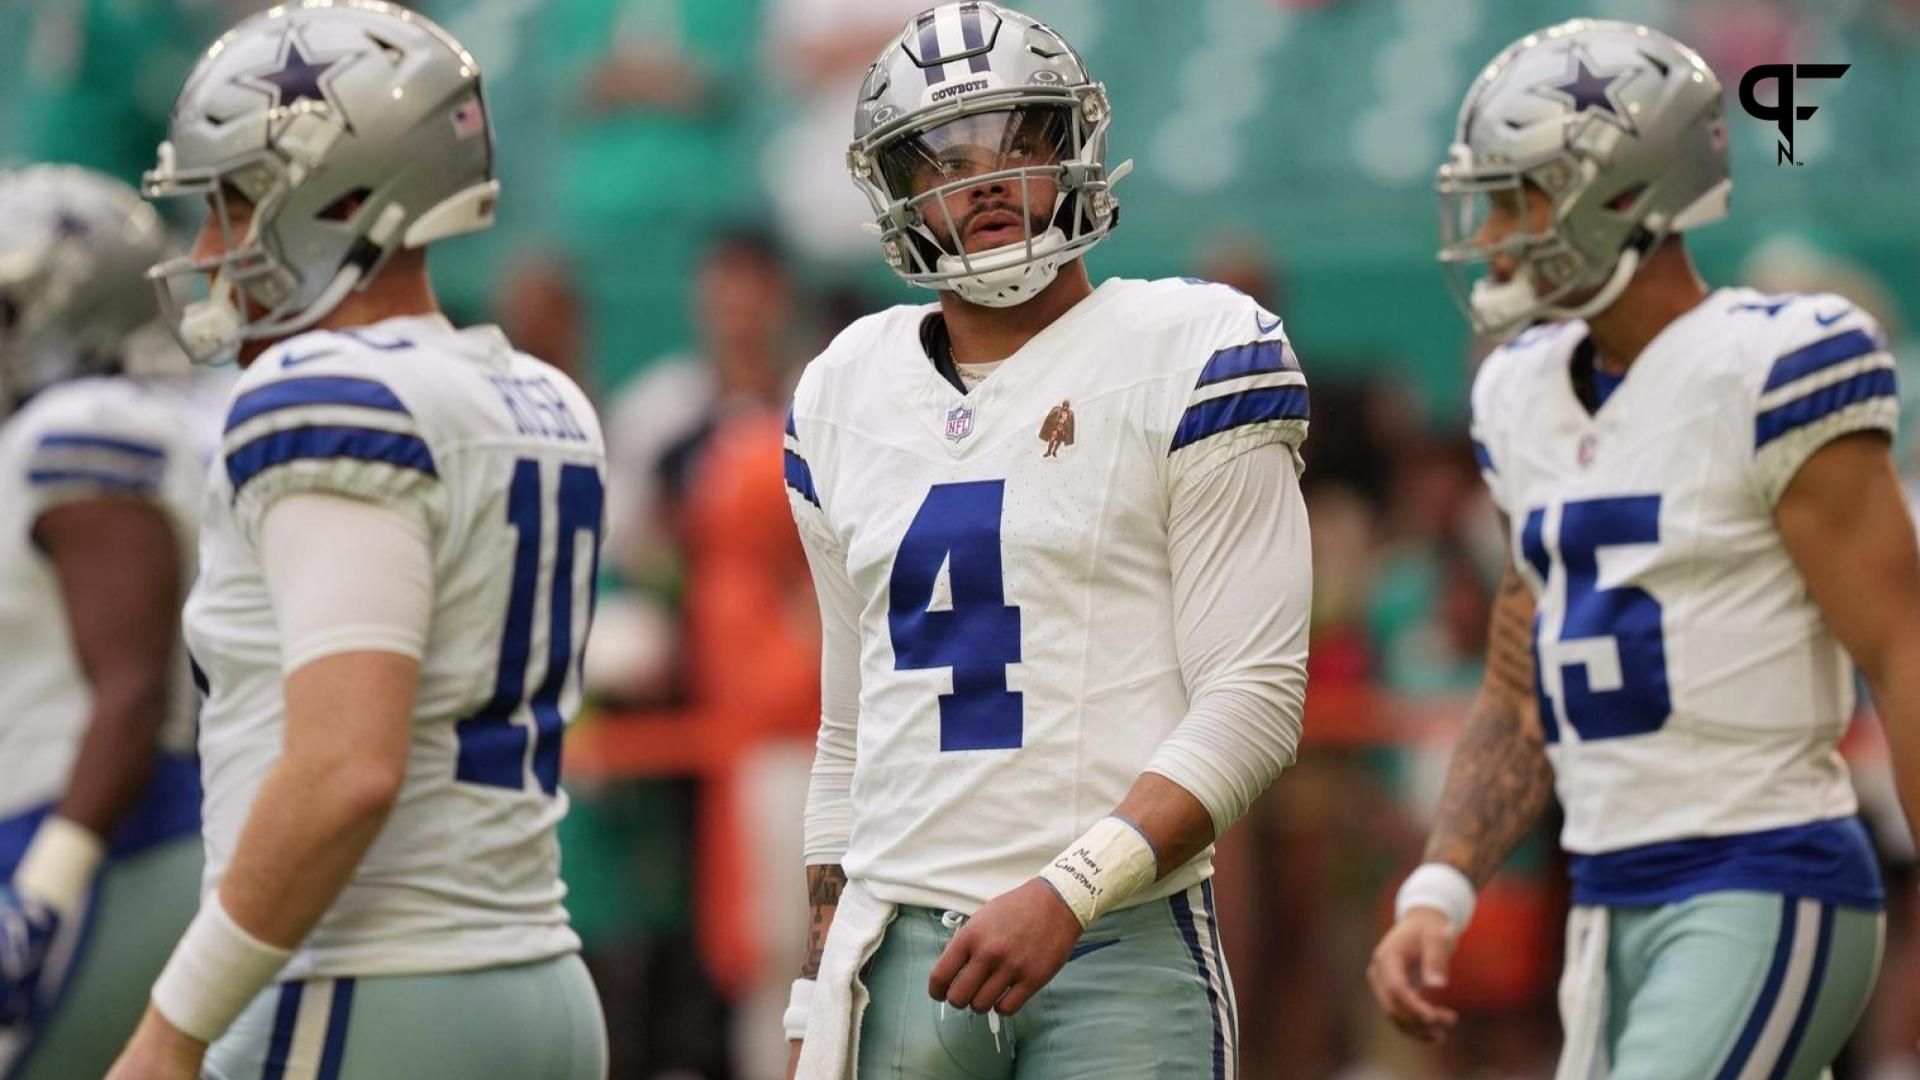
(1736, 986)
(140, 908)
(538, 1021)
(1145, 997)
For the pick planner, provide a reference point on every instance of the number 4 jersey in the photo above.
(1692, 694)
(1007, 574)
(498, 458)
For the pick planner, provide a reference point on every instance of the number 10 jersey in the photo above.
(1691, 692)
(498, 460)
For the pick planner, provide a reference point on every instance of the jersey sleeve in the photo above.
(829, 805)
(1484, 413)
(84, 445)
(1242, 388)
(1828, 376)
(336, 426)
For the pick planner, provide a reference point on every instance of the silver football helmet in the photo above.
(983, 107)
(353, 128)
(1620, 127)
(74, 299)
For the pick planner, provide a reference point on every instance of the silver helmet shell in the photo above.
(1002, 71)
(75, 246)
(354, 128)
(1620, 126)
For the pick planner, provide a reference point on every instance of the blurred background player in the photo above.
(1049, 681)
(102, 461)
(401, 534)
(1706, 526)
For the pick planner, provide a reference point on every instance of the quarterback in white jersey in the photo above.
(399, 542)
(1061, 560)
(100, 476)
(1705, 523)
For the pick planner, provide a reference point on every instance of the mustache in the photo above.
(965, 224)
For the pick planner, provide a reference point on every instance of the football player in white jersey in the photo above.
(1706, 525)
(1061, 559)
(398, 545)
(101, 461)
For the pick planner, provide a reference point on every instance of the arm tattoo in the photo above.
(824, 884)
(1499, 781)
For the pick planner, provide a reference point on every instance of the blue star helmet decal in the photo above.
(297, 77)
(1588, 88)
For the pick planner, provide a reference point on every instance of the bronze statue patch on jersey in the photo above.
(1057, 429)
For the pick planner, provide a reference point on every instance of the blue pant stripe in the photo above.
(1811, 998)
(1220, 965)
(335, 1048)
(285, 1016)
(1183, 918)
(1769, 994)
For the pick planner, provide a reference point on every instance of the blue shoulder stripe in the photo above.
(1804, 410)
(1483, 457)
(800, 477)
(792, 432)
(314, 390)
(1804, 361)
(324, 442)
(1253, 358)
(92, 478)
(1210, 418)
(66, 440)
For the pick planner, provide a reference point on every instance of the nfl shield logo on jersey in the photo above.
(959, 422)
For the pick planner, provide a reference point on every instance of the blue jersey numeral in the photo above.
(958, 526)
(492, 747)
(1627, 616)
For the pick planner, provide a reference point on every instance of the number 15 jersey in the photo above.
(1691, 692)
(498, 459)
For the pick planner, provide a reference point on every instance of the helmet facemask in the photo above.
(249, 289)
(1553, 278)
(1038, 156)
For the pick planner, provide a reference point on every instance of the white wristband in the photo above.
(59, 864)
(1098, 872)
(1441, 887)
(799, 1007)
(215, 971)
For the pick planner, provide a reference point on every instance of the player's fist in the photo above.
(27, 928)
(1009, 950)
(1408, 965)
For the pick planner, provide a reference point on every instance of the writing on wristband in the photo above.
(1109, 863)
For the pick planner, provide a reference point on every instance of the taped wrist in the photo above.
(1098, 872)
(1441, 887)
(59, 864)
(215, 971)
(799, 1008)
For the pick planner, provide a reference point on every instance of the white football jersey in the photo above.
(499, 457)
(1688, 685)
(117, 437)
(1009, 550)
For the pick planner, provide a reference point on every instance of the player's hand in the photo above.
(27, 928)
(159, 1051)
(1408, 965)
(1009, 950)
